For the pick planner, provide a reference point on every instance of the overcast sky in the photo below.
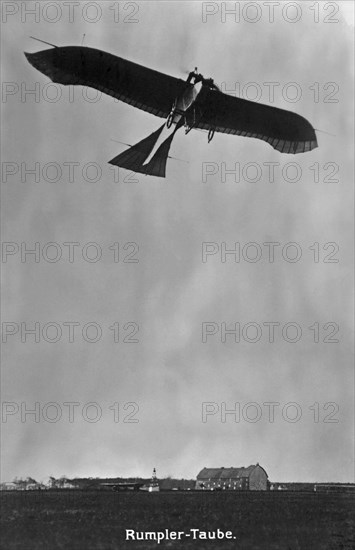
(171, 292)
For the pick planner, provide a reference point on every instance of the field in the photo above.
(86, 520)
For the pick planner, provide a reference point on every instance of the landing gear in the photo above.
(191, 123)
(169, 120)
(211, 132)
(188, 127)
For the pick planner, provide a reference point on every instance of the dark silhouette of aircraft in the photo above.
(124, 486)
(196, 103)
(151, 486)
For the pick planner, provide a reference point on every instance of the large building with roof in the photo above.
(252, 478)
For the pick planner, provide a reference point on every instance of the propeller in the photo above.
(183, 70)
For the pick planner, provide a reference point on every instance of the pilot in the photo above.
(193, 75)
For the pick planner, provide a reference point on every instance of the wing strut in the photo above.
(44, 42)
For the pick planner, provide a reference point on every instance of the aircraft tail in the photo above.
(157, 164)
(133, 158)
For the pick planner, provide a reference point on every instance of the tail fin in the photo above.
(133, 158)
(157, 164)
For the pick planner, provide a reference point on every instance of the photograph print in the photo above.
(177, 275)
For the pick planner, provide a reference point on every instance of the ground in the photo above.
(87, 520)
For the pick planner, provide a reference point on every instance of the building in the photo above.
(8, 486)
(252, 478)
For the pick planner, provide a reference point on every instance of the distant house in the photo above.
(252, 478)
(9, 486)
(61, 483)
(68, 485)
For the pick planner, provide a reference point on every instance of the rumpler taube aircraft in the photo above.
(196, 103)
(124, 486)
(151, 486)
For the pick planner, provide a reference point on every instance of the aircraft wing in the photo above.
(139, 86)
(284, 130)
(156, 92)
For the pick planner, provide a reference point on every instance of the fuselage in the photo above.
(184, 102)
(181, 105)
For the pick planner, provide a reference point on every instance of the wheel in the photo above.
(169, 120)
(210, 134)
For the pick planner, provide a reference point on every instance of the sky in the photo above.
(158, 399)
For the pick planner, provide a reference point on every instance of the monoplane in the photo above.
(124, 485)
(195, 103)
(150, 486)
